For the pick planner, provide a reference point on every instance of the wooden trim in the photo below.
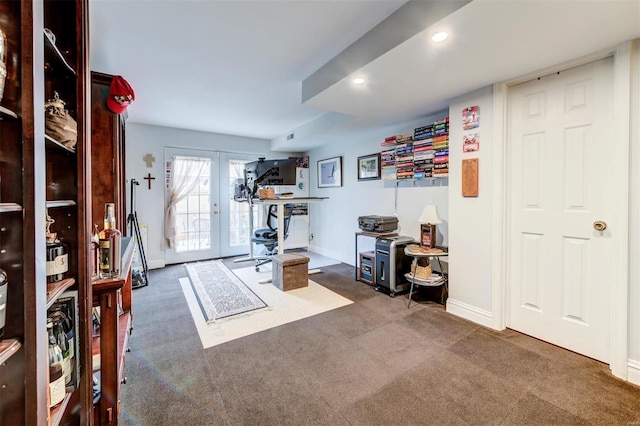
(33, 160)
(85, 292)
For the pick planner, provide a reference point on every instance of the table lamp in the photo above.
(428, 221)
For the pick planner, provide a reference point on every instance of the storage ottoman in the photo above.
(290, 271)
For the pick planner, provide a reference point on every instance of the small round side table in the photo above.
(426, 254)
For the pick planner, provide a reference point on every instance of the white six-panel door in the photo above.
(560, 184)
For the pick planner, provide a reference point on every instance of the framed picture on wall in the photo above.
(369, 167)
(330, 172)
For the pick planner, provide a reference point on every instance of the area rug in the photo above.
(283, 307)
(315, 260)
(219, 292)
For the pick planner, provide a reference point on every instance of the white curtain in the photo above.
(185, 176)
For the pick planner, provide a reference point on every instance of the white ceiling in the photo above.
(237, 67)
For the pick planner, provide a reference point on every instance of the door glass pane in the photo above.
(193, 215)
(239, 211)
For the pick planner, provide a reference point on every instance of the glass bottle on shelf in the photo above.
(3, 63)
(56, 368)
(95, 258)
(57, 255)
(63, 343)
(3, 300)
(109, 244)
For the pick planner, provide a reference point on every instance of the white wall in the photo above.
(335, 220)
(469, 226)
(470, 232)
(144, 139)
(468, 221)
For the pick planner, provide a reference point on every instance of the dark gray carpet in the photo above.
(374, 362)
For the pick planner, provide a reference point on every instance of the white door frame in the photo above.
(500, 219)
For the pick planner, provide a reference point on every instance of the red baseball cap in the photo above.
(120, 95)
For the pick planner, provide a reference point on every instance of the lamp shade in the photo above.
(430, 215)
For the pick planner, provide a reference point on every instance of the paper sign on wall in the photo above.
(471, 142)
(471, 117)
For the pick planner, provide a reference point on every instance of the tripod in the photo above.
(138, 278)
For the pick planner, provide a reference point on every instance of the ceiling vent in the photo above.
(291, 136)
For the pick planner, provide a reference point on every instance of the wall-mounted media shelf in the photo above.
(423, 155)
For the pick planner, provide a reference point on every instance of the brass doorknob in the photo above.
(599, 225)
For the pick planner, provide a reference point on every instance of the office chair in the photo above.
(268, 237)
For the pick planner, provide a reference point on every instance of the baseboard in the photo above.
(155, 264)
(471, 313)
(633, 372)
(329, 253)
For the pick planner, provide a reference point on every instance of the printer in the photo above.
(378, 223)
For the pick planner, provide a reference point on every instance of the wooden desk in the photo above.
(369, 234)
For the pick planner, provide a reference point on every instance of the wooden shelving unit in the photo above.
(108, 182)
(39, 175)
(423, 155)
(113, 296)
(54, 290)
(51, 142)
(8, 348)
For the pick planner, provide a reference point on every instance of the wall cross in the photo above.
(149, 178)
(149, 159)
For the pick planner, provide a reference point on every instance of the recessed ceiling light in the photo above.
(358, 80)
(438, 37)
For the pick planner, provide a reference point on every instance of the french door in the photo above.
(209, 222)
(234, 222)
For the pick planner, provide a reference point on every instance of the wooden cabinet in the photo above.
(113, 295)
(110, 342)
(16, 197)
(107, 153)
(40, 176)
